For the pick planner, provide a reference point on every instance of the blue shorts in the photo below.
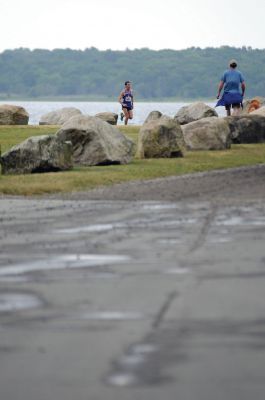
(128, 108)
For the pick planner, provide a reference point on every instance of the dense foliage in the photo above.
(191, 73)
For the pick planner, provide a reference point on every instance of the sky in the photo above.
(117, 25)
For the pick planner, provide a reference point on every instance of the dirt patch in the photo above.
(246, 183)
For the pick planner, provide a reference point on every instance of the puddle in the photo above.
(122, 379)
(158, 207)
(217, 240)
(178, 271)
(131, 360)
(144, 348)
(234, 221)
(70, 261)
(131, 368)
(161, 223)
(91, 228)
(135, 224)
(255, 222)
(170, 241)
(15, 302)
(185, 221)
(113, 316)
(229, 221)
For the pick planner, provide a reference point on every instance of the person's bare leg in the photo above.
(126, 116)
(236, 111)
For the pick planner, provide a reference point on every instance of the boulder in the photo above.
(109, 117)
(38, 154)
(152, 116)
(247, 128)
(96, 142)
(252, 104)
(13, 115)
(207, 134)
(259, 111)
(59, 117)
(194, 112)
(161, 138)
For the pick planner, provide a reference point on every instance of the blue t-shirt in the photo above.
(232, 79)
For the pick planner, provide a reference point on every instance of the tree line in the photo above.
(192, 73)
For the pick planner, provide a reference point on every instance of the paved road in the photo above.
(159, 298)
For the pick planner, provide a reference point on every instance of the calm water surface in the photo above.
(37, 108)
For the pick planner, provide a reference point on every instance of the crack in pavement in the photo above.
(204, 230)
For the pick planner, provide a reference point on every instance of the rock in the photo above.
(13, 115)
(252, 104)
(194, 112)
(161, 138)
(153, 115)
(207, 134)
(96, 142)
(259, 111)
(109, 117)
(38, 154)
(59, 117)
(247, 128)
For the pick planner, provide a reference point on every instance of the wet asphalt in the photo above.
(151, 290)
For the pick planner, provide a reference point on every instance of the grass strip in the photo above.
(85, 178)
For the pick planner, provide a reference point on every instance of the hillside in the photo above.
(187, 74)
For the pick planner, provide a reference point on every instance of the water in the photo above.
(38, 108)
(18, 301)
(69, 261)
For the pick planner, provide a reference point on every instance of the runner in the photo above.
(126, 101)
(231, 81)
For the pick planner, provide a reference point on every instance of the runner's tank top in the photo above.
(127, 98)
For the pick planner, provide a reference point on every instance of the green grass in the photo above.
(12, 135)
(84, 178)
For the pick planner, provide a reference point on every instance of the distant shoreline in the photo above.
(102, 100)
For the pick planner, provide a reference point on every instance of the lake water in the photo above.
(37, 108)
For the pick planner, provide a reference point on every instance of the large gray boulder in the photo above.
(13, 115)
(207, 134)
(38, 154)
(194, 112)
(109, 117)
(247, 128)
(60, 116)
(96, 142)
(161, 138)
(153, 115)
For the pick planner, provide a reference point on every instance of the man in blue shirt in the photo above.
(232, 81)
